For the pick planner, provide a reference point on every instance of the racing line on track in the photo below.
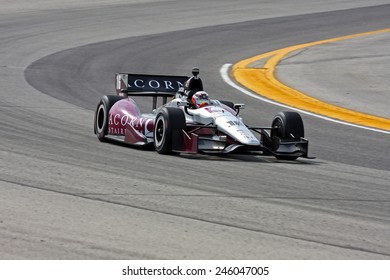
(262, 84)
(121, 204)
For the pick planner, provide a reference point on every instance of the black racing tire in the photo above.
(228, 103)
(168, 122)
(289, 125)
(101, 115)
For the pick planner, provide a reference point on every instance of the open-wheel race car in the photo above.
(190, 122)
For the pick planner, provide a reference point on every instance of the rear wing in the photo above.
(148, 85)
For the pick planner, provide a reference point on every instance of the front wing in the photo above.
(207, 139)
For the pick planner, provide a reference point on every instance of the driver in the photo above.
(200, 99)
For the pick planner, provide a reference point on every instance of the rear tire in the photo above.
(168, 122)
(289, 125)
(101, 115)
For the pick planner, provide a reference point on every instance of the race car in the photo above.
(191, 122)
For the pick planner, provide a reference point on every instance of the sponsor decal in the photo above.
(117, 124)
(247, 134)
(142, 82)
(234, 123)
(155, 85)
(155, 82)
(117, 131)
(215, 111)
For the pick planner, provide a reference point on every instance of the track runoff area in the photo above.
(262, 84)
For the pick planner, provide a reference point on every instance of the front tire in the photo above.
(101, 115)
(168, 122)
(287, 125)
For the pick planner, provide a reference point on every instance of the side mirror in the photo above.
(237, 107)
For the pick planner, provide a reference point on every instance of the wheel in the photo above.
(289, 125)
(168, 122)
(101, 115)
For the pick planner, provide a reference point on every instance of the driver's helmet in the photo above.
(200, 99)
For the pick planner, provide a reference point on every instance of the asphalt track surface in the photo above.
(65, 195)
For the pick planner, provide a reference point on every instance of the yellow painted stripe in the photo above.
(264, 82)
